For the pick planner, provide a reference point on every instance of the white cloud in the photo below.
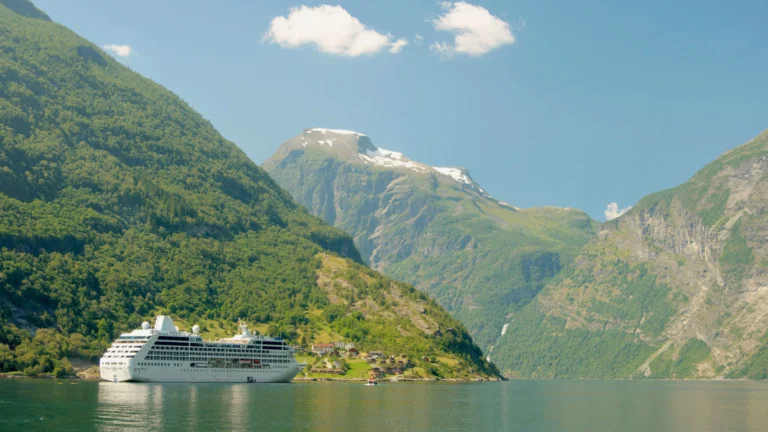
(119, 50)
(398, 46)
(476, 30)
(444, 49)
(332, 29)
(612, 211)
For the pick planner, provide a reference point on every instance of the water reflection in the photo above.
(390, 407)
(142, 406)
(128, 406)
(713, 406)
(237, 402)
(662, 406)
(593, 406)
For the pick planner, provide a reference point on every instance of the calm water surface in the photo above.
(510, 406)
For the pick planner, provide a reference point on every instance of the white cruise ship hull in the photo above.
(124, 373)
(165, 354)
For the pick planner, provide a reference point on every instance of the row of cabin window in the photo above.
(187, 355)
(152, 357)
(168, 364)
(249, 353)
(164, 348)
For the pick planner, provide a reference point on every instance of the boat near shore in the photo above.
(163, 353)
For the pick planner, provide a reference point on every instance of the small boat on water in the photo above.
(371, 382)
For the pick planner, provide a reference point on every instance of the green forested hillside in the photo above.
(675, 288)
(118, 201)
(432, 226)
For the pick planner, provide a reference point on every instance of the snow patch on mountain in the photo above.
(334, 131)
(508, 205)
(454, 173)
(392, 159)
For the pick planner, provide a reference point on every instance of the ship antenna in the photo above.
(243, 326)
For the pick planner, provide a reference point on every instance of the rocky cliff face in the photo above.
(677, 287)
(432, 226)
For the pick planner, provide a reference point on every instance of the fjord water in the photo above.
(508, 406)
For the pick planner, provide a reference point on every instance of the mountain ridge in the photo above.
(432, 226)
(356, 147)
(674, 288)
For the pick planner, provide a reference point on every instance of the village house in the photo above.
(352, 352)
(344, 345)
(322, 349)
(375, 354)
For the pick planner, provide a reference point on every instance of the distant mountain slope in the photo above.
(677, 287)
(431, 226)
(118, 201)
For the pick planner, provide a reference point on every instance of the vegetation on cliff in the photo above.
(675, 288)
(118, 201)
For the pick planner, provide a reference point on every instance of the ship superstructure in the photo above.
(164, 354)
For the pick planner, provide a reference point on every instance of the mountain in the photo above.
(118, 202)
(675, 288)
(434, 227)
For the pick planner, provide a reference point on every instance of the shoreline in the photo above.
(384, 380)
(12, 376)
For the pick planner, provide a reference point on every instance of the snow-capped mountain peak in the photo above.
(353, 143)
(333, 131)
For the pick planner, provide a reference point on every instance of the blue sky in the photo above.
(594, 102)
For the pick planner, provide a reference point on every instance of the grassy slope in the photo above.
(379, 314)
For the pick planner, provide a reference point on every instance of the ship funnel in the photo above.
(164, 323)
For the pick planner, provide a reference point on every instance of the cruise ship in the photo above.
(164, 354)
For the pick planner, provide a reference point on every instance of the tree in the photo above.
(7, 362)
